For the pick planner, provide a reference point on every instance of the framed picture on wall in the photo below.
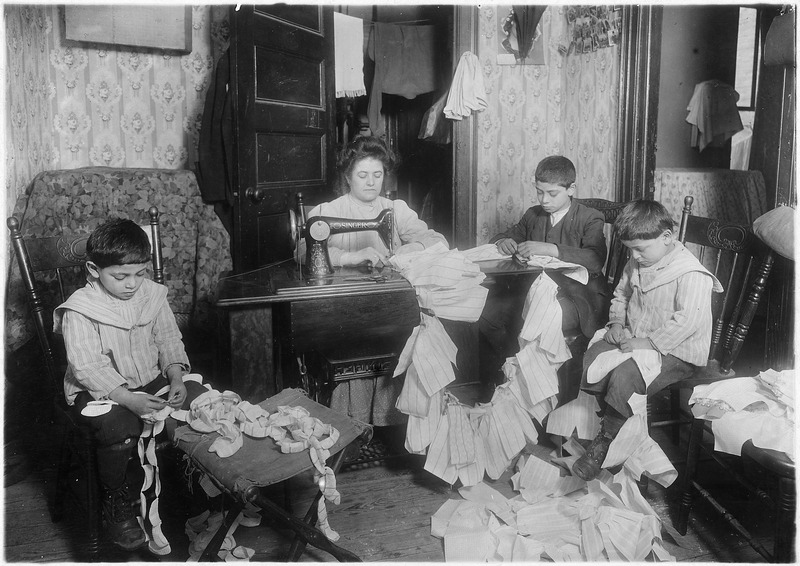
(520, 35)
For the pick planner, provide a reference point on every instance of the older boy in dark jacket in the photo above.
(561, 228)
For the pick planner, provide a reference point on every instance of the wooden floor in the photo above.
(384, 514)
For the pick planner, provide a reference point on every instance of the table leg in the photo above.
(254, 371)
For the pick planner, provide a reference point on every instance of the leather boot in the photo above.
(120, 519)
(588, 466)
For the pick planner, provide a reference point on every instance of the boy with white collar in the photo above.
(556, 227)
(662, 303)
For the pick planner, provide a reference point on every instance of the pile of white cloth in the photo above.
(759, 408)
(553, 516)
(461, 442)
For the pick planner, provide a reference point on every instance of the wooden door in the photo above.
(284, 123)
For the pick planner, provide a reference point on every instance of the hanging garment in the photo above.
(215, 145)
(467, 93)
(404, 65)
(348, 36)
(434, 127)
(713, 114)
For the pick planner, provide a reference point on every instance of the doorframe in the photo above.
(638, 112)
(638, 102)
(465, 139)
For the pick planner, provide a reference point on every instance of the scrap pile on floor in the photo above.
(556, 517)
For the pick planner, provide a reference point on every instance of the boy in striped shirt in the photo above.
(123, 345)
(662, 303)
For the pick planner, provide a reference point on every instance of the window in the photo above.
(748, 53)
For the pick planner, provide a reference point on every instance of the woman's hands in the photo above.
(410, 248)
(367, 256)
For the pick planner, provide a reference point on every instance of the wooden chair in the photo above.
(748, 268)
(43, 260)
(736, 257)
(617, 253)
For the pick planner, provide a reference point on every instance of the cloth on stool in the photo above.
(260, 461)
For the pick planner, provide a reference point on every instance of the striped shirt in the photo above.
(112, 343)
(669, 303)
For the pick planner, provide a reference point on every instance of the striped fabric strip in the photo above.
(579, 415)
(438, 460)
(461, 438)
(413, 399)
(434, 355)
(536, 473)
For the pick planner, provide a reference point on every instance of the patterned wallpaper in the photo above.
(72, 106)
(69, 107)
(567, 106)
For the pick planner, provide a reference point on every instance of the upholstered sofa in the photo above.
(196, 247)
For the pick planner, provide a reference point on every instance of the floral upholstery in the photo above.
(195, 246)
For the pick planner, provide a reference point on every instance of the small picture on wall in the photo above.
(520, 35)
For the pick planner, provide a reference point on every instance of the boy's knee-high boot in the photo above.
(588, 466)
(118, 496)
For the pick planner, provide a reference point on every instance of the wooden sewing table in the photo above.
(275, 316)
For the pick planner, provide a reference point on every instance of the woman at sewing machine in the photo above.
(363, 165)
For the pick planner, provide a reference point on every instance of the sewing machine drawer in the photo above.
(342, 322)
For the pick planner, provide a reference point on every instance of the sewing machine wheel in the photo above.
(294, 228)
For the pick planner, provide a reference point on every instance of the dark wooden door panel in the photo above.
(284, 121)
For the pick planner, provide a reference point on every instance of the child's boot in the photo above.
(588, 466)
(120, 519)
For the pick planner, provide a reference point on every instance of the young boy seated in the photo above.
(123, 345)
(560, 228)
(662, 303)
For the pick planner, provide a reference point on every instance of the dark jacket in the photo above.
(580, 239)
(215, 145)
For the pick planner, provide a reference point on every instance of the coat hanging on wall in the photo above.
(779, 45)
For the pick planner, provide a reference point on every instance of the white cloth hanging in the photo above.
(713, 114)
(467, 93)
(348, 41)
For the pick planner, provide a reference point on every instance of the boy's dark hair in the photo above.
(360, 148)
(118, 242)
(643, 220)
(557, 170)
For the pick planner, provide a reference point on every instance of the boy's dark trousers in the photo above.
(619, 384)
(117, 433)
(584, 309)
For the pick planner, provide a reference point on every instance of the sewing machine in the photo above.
(317, 229)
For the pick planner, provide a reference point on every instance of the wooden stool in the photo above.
(260, 463)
